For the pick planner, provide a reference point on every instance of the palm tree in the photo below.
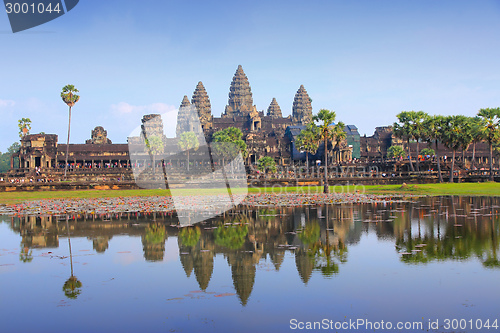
(490, 130)
(307, 141)
(411, 127)
(434, 132)
(188, 141)
(453, 133)
(24, 125)
(466, 137)
(70, 98)
(72, 286)
(154, 146)
(477, 135)
(328, 131)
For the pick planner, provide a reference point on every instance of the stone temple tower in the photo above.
(274, 109)
(187, 118)
(202, 102)
(302, 109)
(240, 96)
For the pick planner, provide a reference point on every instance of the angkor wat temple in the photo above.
(266, 133)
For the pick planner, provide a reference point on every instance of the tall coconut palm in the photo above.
(434, 133)
(402, 129)
(452, 133)
(490, 130)
(328, 131)
(24, 125)
(70, 98)
(411, 126)
(477, 135)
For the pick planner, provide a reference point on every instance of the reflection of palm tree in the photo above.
(72, 286)
(326, 253)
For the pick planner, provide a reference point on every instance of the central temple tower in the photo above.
(240, 96)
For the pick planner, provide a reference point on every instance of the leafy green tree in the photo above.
(266, 163)
(232, 237)
(24, 125)
(490, 130)
(395, 152)
(427, 151)
(5, 157)
(310, 234)
(228, 143)
(69, 97)
(189, 236)
(154, 146)
(188, 141)
(307, 141)
(328, 131)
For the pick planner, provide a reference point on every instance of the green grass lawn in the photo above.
(474, 189)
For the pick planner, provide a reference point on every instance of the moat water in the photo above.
(261, 270)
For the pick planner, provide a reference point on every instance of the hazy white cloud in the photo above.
(6, 103)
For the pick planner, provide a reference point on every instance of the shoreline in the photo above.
(209, 204)
(461, 189)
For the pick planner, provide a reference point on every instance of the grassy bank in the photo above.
(472, 189)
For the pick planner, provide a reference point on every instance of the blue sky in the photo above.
(367, 60)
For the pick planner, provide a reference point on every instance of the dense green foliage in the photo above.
(190, 236)
(308, 141)
(5, 157)
(227, 143)
(232, 237)
(395, 152)
(266, 164)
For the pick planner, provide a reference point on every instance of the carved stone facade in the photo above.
(202, 103)
(99, 136)
(188, 119)
(302, 109)
(37, 151)
(274, 109)
(240, 96)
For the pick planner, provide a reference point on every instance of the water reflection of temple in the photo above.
(423, 230)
